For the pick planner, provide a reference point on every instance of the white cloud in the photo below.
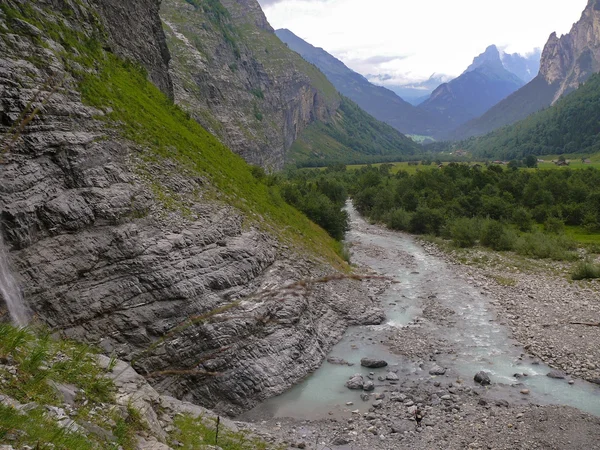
(430, 35)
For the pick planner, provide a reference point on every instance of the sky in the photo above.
(410, 40)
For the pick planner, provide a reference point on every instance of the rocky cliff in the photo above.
(237, 79)
(118, 213)
(570, 60)
(233, 74)
(566, 62)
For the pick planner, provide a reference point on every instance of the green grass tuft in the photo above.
(586, 270)
(194, 433)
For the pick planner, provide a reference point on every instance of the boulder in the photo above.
(482, 378)
(437, 370)
(369, 386)
(338, 361)
(391, 376)
(356, 382)
(373, 363)
(556, 374)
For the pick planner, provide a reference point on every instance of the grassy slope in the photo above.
(32, 360)
(143, 114)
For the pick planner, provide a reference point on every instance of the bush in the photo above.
(465, 232)
(325, 213)
(398, 219)
(497, 236)
(426, 221)
(545, 246)
(586, 270)
(554, 225)
(522, 219)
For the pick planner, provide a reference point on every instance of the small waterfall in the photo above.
(9, 290)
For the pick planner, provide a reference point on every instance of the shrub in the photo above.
(465, 232)
(554, 225)
(398, 219)
(426, 221)
(522, 219)
(586, 270)
(497, 237)
(546, 246)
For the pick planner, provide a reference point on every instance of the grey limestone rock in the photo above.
(356, 382)
(437, 370)
(373, 363)
(102, 259)
(556, 374)
(482, 378)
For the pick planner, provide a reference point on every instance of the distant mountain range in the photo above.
(381, 103)
(525, 67)
(485, 82)
(435, 107)
(565, 63)
(414, 93)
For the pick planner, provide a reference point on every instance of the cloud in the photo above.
(382, 59)
(265, 3)
(355, 30)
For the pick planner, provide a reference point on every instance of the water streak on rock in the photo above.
(10, 292)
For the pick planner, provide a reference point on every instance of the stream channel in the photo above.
(477, 339)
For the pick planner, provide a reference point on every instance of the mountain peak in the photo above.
(490, 57)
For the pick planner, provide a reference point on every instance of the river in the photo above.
(475, 338)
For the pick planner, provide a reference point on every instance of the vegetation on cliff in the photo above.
(55, 393)
(352, 137)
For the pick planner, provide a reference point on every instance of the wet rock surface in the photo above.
(373, 363)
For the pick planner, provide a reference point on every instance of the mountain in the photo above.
(525, 67)
(234, 76)
(568, 126)
(481, 86)
(124, 219)
(414, 93)
(566, 62)
(378, 101)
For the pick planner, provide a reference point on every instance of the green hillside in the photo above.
(352, 137)
(571, 126)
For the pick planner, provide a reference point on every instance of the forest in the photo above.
(522, 210)
(570, 126)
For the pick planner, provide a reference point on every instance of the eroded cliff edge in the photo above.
(117, 242)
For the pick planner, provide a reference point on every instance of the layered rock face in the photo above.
(569, 60)
(103, 259)
(239, 81)
(135, 32)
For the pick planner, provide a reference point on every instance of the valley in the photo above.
(204, 234)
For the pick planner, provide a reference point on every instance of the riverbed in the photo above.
(450, 323)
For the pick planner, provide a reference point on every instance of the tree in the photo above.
(530, 161)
